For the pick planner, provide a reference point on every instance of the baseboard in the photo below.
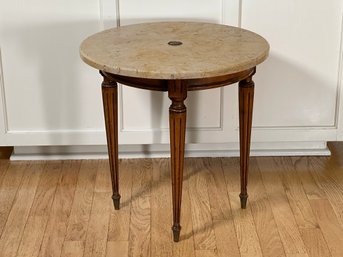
(162, 151)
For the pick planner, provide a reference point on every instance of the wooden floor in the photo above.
(64, 208)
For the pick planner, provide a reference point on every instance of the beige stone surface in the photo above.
(142, 50)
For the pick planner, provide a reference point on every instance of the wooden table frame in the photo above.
(177, 92)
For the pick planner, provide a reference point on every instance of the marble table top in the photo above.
(174, 50)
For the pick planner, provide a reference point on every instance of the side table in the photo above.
(176, 57)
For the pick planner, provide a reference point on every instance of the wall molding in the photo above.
(162, 151)
(209, 128)
(96, 137)
(339, 99)
(109, 13)
(4, 120)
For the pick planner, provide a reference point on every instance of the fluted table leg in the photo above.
(177, 92)
(110, 102)
(246, 97)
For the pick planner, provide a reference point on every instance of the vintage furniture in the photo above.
(176, 57)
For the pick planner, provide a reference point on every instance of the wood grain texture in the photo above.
(161, 210)
(185, 247)
(73, 249)
(303, 168)
(282, 211)
(117, 249)
(119, 225)
(110, 104)
(96, 239)
(220, 208)
(295, 193)
(4, 164)
(204, 237)
(246, 101)
(329, 225)
(140, 227)
(15, 224)
(247, 237)
(315, 242)
(177, 93)
(8, 190)
(56, 229)
(82, 202)
(39, 214)
(268, 226)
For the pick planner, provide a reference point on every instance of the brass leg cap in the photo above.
(116, 201)
(176, 232)
(244, 198)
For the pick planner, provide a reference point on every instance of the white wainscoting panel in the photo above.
(50, 97)
(297, 85)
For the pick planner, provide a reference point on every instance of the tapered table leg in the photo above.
(246, 97)
(177, 92)
(110, 102)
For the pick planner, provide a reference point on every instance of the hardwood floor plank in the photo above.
(315, 243)
(117, 249)
(226, 240)
(329, 225)
(282, 212)
(185, 247)
(231, 169)
(295, 193)
(43, 218)
(82, 203)
(270, 241)
(73, 249)
(140, 227)
(204, 237)
(206, 253)
(12, 233)
(248, 242)
(39, 214)
(303, 168)
(4, 164)
(220, 208)
(58, 220)
(217, 189)
(328, 175)
(96, 240)
(247, 238)
(97, 232)
(120, 219)
(8, 189)
(161, 209)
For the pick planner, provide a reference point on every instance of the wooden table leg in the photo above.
(246, 97)
(110, 102)
(177, 92)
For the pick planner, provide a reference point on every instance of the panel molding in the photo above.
(4, 120)
(97, 137)
(109, 13)
(339, 99)
(157, 151)
(209, 128)
(231, 15)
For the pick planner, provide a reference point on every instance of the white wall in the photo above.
(49, 97)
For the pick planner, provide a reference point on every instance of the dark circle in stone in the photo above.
(174, 43)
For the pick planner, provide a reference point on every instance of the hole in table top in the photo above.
(174, 43)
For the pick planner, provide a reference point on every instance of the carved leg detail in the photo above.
(110, 102)
(177, 92)
(246, 97)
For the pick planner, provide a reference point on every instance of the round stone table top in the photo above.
(174, 50)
